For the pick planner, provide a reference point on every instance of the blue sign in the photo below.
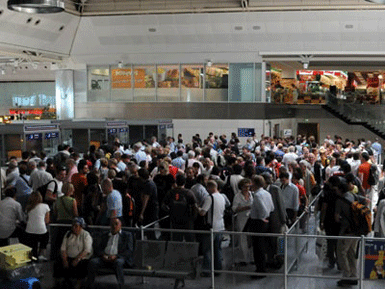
(50, 135)
(112, 130)
(245, 132)
(34, 136)
(123, 130)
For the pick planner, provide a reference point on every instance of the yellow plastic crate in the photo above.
(14, 256)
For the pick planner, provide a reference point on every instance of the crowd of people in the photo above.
(268, 183)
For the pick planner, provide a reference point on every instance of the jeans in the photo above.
(206, 248)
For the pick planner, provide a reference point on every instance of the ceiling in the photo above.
(187, 30)
(108, 7)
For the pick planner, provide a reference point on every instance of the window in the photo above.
(217, 82)
(144, 83)
(98, 83)
(192, 83)
(168, 82)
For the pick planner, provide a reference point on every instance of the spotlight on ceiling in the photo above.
(36, 6)
(376, 1)
(120, 64)
(305, 64)
(2, 71)
(209, 63)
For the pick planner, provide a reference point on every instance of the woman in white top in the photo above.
(241, 205)
(37, 235)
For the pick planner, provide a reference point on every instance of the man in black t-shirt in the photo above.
(181, 204)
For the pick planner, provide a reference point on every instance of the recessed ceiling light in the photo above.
(61, 28)
(152, 29)
(29, 20)
(36, 6)
(37, 22)
(256, 27)
(238, 28)
(349, 26)
(1, 11)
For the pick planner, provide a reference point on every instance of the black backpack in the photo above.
(373, 175)
(43, 191)
(227, 190)
(180, 209)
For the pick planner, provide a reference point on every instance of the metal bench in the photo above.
(163, 259)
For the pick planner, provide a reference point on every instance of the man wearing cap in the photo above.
(115, 251)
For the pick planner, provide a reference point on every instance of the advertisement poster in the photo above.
(121, 78)
(374, 260)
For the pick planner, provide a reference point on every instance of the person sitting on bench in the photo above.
(115, 251)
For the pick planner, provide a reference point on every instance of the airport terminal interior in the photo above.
(102, 70)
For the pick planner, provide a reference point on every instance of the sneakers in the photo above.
(42, 258)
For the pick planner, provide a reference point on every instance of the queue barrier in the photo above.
(294, 242)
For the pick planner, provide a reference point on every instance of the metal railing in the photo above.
(293, 251)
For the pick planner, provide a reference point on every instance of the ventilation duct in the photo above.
(36, 6)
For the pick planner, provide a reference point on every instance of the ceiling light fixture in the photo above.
(305, 60)
(36, 6)
(209, 63)
(2, 71)
(120, 64)
(376, 1)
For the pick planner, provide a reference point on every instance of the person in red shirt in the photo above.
(79, 180)
(364, 171)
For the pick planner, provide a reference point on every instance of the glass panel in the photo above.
(258, 82)
(121, 87)
(66, 137)
(144, 87)
(241, 82)
(13, 145)
(80, 139)
(150, 131)
(50, 143)
(97, 136)
(217, 82)
(135, 133)
(192, 83)
(98, 83)
(268, 83)
(168, 83)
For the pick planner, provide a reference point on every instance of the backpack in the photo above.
(43, 191)
(373, 175)
(180, 209)
(361, 218)
(227, 190)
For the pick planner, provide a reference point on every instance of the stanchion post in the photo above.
(285, 262)
(362, 265)
(232, 238)
(212, 258)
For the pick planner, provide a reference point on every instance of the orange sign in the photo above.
(140, 75)
(121, 78)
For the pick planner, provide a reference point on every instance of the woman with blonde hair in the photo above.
(65, 207)
(36, 232)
